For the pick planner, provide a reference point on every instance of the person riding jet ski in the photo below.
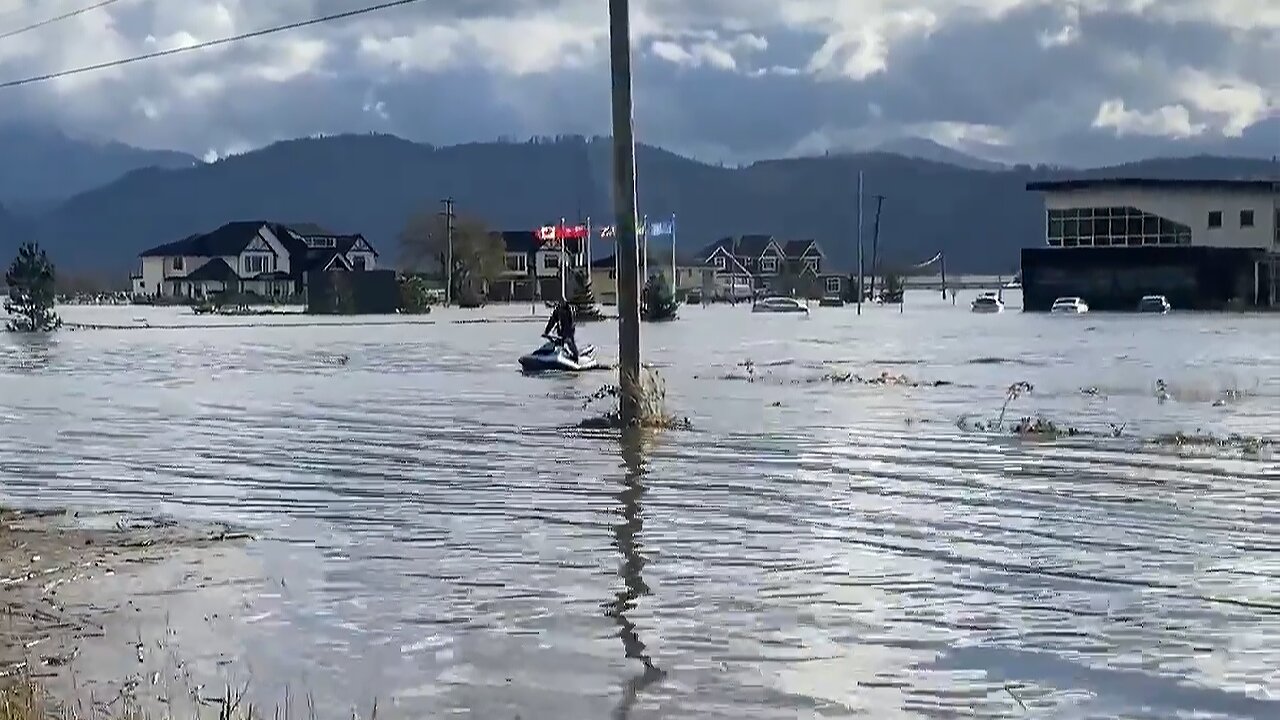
(562, 321)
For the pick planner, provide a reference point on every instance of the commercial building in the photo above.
(1205, 244)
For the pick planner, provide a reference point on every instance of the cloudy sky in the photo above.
(1074, 81)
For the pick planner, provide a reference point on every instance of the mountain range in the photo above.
(979, 214)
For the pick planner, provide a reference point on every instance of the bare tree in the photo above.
(478, 254)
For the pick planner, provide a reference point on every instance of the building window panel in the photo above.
(1246, 218)
(1215, 219)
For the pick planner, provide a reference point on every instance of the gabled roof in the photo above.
(230, 239)
(796, 249)
(744, 246)
(216, 270)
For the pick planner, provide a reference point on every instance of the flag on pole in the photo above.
(608, 231)
(662, 228)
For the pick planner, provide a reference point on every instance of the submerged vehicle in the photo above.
(554, 355)
(1154, 304)
(987, 303)
(1069, 306)
(780, 305)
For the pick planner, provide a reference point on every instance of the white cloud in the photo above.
(1172, 121)
(812, 71)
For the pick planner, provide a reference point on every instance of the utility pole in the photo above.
(624, 207)
(861, 292)
(448, 265)
(875, 247)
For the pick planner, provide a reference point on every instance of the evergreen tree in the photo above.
(583, 299)
(657, 302)
(31, 292)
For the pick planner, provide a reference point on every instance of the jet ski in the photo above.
(553, 355)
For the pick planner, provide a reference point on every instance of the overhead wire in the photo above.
(209, 43)
(64, 16)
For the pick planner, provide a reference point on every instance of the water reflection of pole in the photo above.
(626, 537)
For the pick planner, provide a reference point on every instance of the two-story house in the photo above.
(531, 266)
(750, 264)
(254, 257)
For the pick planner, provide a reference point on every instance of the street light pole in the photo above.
(624, 206)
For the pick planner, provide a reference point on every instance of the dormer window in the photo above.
(322, 242)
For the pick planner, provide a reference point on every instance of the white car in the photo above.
(1158, 304)
(987, 303)
(1069, 306)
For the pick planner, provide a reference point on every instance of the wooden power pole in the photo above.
(624, 206)
(448, 264)
(875, 247)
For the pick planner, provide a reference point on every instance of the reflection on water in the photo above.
(435, 539)
(626, 537)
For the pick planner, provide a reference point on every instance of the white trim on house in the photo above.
(769, 264)
(777, 249)
(345, 265)
(811, 264)
(722, 250)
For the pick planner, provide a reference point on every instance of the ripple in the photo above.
(438, 533)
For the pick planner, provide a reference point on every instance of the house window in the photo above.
(177, 264)
(1215, 219)
(719, 262)
(517, 263)
(833, 286)
(1246, 218)
(359, 262)
(322, 242)
(811, 264)
(257, 263)
(551, 261)
(769, 265)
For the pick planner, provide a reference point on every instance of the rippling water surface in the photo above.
(446, 541)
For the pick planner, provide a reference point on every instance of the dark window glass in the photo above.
(1071, 228)
(1056, 226)
(1101, 226)
(1215, 219)
(1246, 218)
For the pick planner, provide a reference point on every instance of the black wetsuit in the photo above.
(562, 320)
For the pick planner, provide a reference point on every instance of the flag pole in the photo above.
(860, 291)
(644, 259)
(560, 232)
(675, 275)
(588, 248)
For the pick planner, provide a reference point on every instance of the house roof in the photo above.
(797, 248)
(311, 230)
(525, 241)
(755, 245)
(230, 239)
(1153, 183)
(216, 270)
(234, 237)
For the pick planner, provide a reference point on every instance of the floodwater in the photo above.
(436, 534)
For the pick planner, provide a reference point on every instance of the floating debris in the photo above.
(651, 403)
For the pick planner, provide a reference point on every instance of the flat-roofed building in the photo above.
(1205, 244)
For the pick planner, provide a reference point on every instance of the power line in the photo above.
(63, 16)
(209, 43)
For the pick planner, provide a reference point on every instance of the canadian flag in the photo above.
(547, 233)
